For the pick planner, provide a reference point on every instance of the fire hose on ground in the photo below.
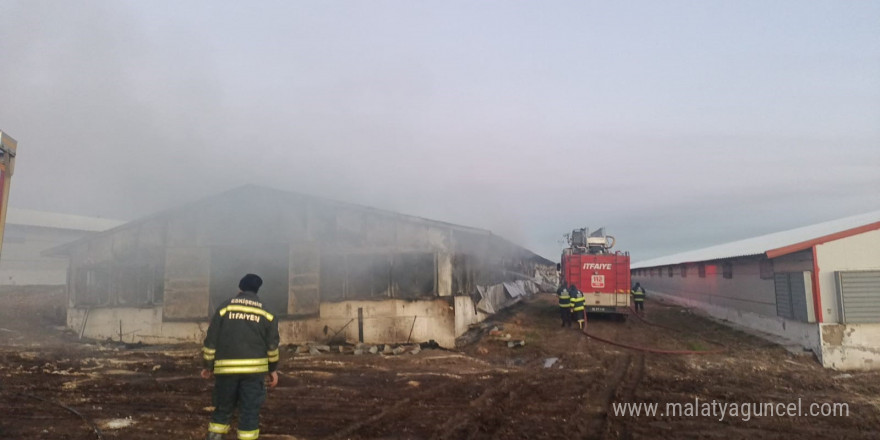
(653, 350)
(88, 421)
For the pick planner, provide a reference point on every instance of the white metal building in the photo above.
(818, 286)
(28, 233)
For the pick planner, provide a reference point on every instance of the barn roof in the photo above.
(276, 194)
(54, 220)
(775, 244)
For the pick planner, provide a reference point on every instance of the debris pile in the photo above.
(498, 334)
(317, 349)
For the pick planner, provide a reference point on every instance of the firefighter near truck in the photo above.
(601, 275)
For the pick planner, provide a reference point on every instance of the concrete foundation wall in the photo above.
(466, 314)
(392, 321)
(137, 325)
(745, 292)
(851, 346)
(388, 321)
(801, 333)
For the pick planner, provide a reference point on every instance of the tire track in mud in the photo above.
(398, 407)
(598, 425)
(628, 390)
(462, 419)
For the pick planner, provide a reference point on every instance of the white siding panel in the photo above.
(855, 253)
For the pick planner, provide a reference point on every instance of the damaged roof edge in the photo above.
(532, 255)
(64, 249)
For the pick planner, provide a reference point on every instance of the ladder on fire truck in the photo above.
(8, 146)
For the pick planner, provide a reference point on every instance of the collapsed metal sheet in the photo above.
(515, 289)
(494, 298)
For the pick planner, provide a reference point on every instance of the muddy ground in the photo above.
(55, 386)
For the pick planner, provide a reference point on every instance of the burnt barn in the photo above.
(331, 270)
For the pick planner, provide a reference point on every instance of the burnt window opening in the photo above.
(701, 270)
(684, 270)
(332, 284)
(139, 277)
(369, 276)
(305, 266)
(131, 281)
(669, 271)
(92, 286)
(377, 275)
(463, 279)
(414, 274)
(139, 285)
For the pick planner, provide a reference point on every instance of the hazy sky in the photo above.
(674, 124)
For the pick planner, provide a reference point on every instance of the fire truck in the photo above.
(601, 275)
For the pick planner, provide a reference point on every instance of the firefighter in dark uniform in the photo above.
(564, 306)
(240, 349)
(638, 295)
(577, 305)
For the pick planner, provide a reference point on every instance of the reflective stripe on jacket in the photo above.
(564, 299)
(242, 338)
(638, 295)
(577, 303)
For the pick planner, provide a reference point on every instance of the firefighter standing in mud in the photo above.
(638, 295)
(577, 305)
(564, 305)
(240, 349)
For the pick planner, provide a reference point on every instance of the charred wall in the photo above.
(308, 251)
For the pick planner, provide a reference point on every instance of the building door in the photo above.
(791, 296)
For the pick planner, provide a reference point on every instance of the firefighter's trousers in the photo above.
(248, 392)
(565, 313)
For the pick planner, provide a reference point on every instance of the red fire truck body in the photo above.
(603, 277)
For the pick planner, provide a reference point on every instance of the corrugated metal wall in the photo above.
(746, 290)
(791, 296)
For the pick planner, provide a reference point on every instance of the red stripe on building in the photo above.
(804, 245)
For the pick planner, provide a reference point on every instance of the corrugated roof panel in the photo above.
(43, 219)
(764, 243)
